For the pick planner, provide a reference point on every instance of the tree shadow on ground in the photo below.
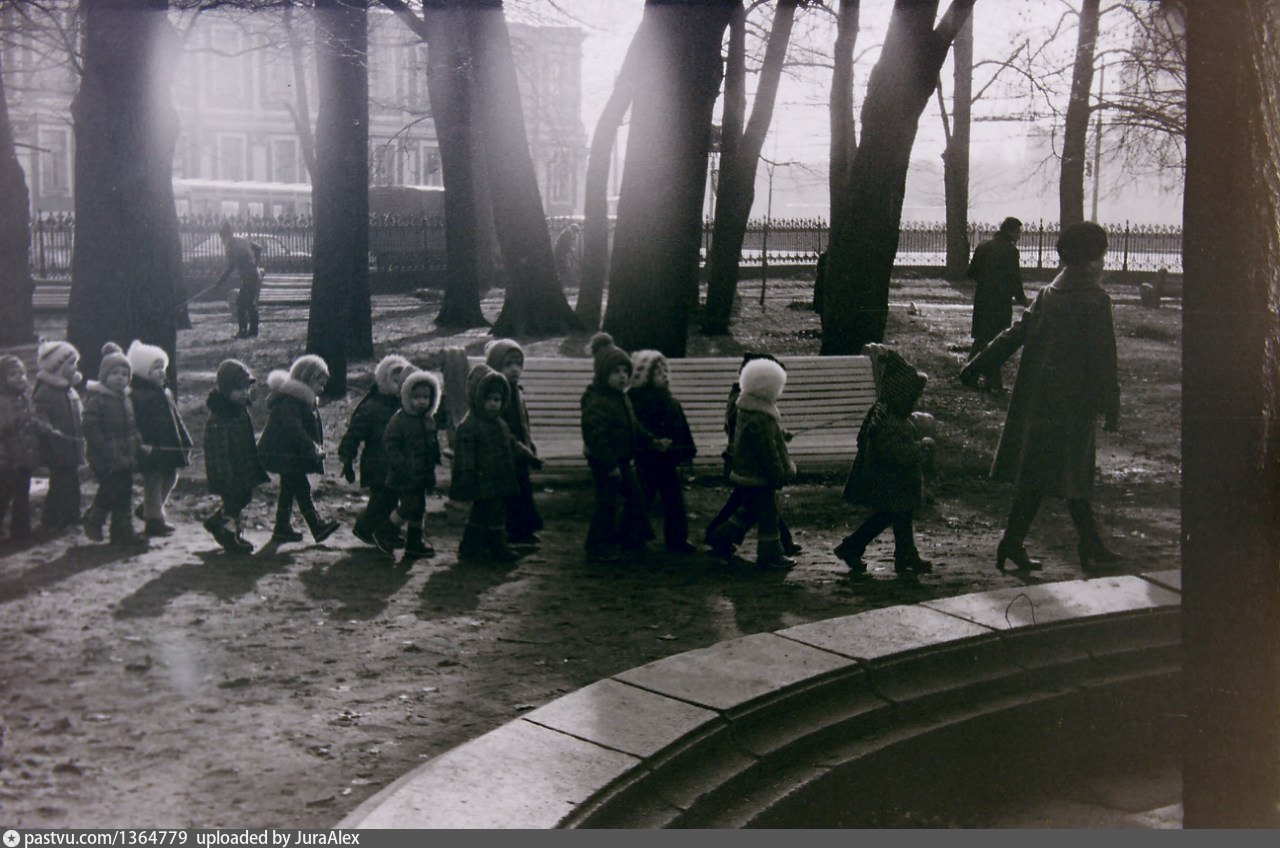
(362, 582)
(74, 560)
(217, 573)
(458, 587)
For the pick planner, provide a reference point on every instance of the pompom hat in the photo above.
(52, 355)
(420, 378)
(143, 357)
(608, 356)
(307, 368)
(232, 375)
(112, 357)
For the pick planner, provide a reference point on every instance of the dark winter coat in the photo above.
(411, 445)
(59, 404)
(21, 430)
(368, 422)
(1067, 377)
(610, 432)
(231, 461)
(996, 268)
(759, 453)
(887, 471)
(156, 413)
(658, 412)
(111, 436)
(290, 442)
(516, 414)
(484, 459)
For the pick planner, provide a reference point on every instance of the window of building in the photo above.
(230, 208)
(255, 208)
(383, 163)
(276, 80)
(55, 162)
(231, 157)
(228, 70)
(428, 173)
(559, 177)
(284, 161)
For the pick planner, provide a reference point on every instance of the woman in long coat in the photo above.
(1067, 377)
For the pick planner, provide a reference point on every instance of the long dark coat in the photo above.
(231, 461)
(1067, 377)
(996, 268)
(160, 425)
(368, 422)
(887, 472)
(109, 430)
(411, 446)
(59, 404)
(290, 442)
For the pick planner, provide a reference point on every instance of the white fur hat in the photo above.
(143, 356)
(52, 355)
(417, 378)
(306, 368)
(763, 378)
(642, 364)
(382, 373)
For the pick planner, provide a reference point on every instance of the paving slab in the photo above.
(730, 674)
(1171, 579)
(881, 632)
(624, 717)
(1009, 609)
(521, 775)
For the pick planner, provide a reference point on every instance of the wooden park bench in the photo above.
(823, 405)
(277, 290)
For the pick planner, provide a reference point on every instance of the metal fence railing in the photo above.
(413, 246)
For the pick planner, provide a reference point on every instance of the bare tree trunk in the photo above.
(595, 230)
(16, 287)
(300, 109)
(653, 277)
(955, 159)
(126, 268)
(844, 137)
(863, 244)
(737, 190)
(535, 304)
(733, 122)
(336, 329)
(1230, 403)
(1075, 127)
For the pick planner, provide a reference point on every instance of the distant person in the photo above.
(567, 257)
(1066, 378)
(996, 270)
(243, 257)
(820, 282)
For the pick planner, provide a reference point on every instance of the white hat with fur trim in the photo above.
(642, 364)
(143, 357)
(52, 355)
(384, 375)
(419, 378)
(308, 367)
(763, 378)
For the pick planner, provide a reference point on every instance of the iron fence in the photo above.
(412, 247)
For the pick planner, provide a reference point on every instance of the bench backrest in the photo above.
(823, 405)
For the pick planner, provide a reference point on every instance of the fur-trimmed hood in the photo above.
(763, 379)
(382, 374)
(418, 378)
(93, 387)
(56, 381)
(480, 382)
(282, 385)
(642, 364)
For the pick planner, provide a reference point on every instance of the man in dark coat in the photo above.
(1066, 378)
(242, 257)
(996, 270)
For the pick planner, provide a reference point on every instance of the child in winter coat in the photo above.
(610, 436)
(661, 414)
(485, 455)
(886, 474)
(231, 463)
(156, 413)
(411, 446)
(57, 402)
(20, 432)
(523, 520)
(761, 464)
(114, 446)
(290, 444)
(368, 422)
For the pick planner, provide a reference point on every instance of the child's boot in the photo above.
(93, 521)
(415, 547)
(495, 539)
(911, 561)
(321, 529)
(472, 545)
(283, 531)
(216, 524)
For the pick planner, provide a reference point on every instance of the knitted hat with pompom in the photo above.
(112, 357)
(608, 356)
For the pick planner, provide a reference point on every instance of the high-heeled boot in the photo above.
(1093, 552)
(320, 528)
(1011, 550)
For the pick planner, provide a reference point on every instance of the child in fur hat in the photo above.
(760, 463)
(523, 520)
(887, 471)
(114, 446)
(661, 414)
(290, 444)
(610, 435)
(156, 413)
(412, 448)
(232, 467)
(57, 402)
(485, 455)
(21, 429)
(368, 422)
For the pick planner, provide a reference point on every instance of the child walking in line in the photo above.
(661, 414)
(610, 434)
(290, 444)
(21, 430)
(411, 445)
(231, 462)
(484, 468)
(368, 422)
(886, 474)
(523, 520)
(56, 401)
(156, 413)
(114, 446)
(761, 464)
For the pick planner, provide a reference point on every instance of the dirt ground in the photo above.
(182, 688)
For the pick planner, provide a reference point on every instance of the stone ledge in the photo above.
(762, 728)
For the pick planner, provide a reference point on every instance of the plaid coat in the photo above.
(231, 461)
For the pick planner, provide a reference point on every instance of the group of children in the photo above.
(634, 431)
